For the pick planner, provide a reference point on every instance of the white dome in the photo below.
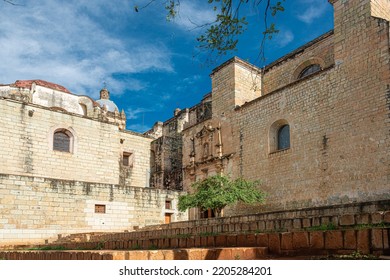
(108, 103)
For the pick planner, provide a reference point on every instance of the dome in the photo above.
(105, 100)
(111, 106)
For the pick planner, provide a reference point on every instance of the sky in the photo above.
(150, 65)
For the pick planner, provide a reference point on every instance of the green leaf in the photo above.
(216, 192)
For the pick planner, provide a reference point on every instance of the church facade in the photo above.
(313, 126)
(68, 165)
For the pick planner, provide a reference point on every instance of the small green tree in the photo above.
(218, 191)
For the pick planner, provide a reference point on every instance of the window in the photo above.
(62, 140)
(84, 108)
(168, 204)
(127, 159)
(279, 136)
(313, 68)
(100, 208)
(284, 137)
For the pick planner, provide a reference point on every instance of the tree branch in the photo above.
(12, 3)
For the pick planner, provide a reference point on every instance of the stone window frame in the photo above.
(274, 134)
(127, 159)
(68, 131)
(305, 65)
(86, 105)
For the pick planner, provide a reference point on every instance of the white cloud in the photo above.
(192, 14)
(133, 114)
(68, 42)
(313, 10)
(283, 38)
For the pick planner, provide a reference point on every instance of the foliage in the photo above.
(222, 35)
(322, 227)
(354, 256)
(216, 192)
(48, 248)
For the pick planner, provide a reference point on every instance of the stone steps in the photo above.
(243, 253)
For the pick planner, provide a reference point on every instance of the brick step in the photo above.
(243, 253)
(78, 237)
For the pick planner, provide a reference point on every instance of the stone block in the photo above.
(286, 241)
(190, 242)
(156, 255)
(362, 219)
(180, 254)
(386, 217)
(325, 221)
(333, 239)
(316, 239)
(251, 240)
(231, 240)
(274, 243)
(270, 225)
(386, 240)
(253, 226)
(262, 239)
(244, 253)
(376, 218)
(350, 239)
(198, 241)
(224, 254)
(211, 254)
(203, 241)
(210, 241)
(347, 220)
(220, 241)
(245, 227)
(286, 224)
(363, 241)
(174, 243)
(241, 240)
(182, 242)
(297, 223)
(195, 254)
(300, 240)
(306, 223)
(377, 239)
(261, 225)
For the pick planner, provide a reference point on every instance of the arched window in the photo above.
(279, 136)
(284, 137)
(63, 140)
(313, 68)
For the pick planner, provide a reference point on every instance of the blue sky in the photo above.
(150, 66)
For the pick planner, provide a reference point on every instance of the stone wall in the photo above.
(339, 124)
(350, 215)
(286, 69)
(97, 149)
(380, 9)
(338, 118)
(35, 208)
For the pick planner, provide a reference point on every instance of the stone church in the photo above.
(313, 126)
